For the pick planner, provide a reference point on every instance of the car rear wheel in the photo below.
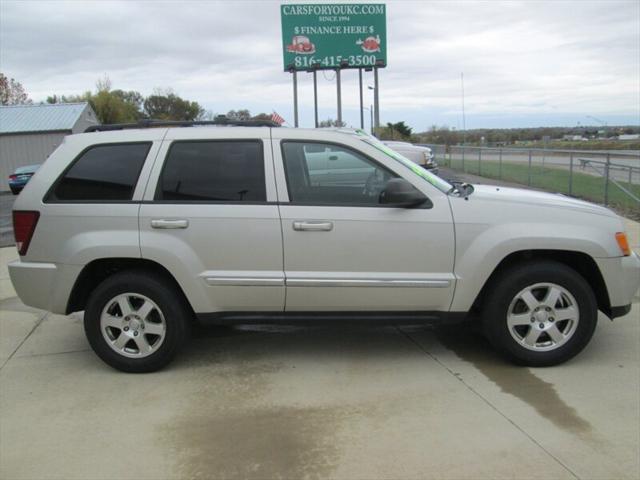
(136, 322)
(540, 314)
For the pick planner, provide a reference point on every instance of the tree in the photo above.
(394, 131)
(261, 116)
(166, 105)
(245, 114)
(132, 103)
(240, 115)
(12, 92)
(329, 122)
(111, 106)
(121, 106)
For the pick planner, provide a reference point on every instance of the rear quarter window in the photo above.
(102, 173)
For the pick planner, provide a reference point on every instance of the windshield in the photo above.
(434, 180)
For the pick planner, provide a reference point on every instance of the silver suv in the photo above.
(146, 229)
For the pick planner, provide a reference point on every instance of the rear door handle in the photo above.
(163, 223)
(311, 226)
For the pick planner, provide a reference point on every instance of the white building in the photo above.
(30, 133)
(632, 136)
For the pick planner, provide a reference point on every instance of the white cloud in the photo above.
(543, 60)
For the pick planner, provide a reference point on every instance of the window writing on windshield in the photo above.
(434, 180)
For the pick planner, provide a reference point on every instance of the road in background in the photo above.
(624, 165)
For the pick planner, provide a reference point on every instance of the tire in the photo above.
(15, 191)
(532, 330)
(147, 310)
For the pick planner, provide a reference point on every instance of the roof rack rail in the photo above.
(150, 123)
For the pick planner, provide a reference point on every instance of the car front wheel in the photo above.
(540, 314)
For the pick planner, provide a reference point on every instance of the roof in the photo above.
(40, 117)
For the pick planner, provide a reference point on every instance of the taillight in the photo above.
(24, 224)
(13, 177)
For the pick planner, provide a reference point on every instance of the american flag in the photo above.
(277, 118)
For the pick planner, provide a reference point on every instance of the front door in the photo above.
(343, 249)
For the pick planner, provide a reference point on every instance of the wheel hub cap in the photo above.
(543, 316)
(133, 325)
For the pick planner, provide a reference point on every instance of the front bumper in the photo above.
(622, 278)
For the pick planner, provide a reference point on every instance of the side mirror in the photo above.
(400, 193)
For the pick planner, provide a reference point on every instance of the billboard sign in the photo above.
(327, 36)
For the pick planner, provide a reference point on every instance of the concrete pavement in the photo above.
(346, 403)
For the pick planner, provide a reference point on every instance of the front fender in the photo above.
(481, 248)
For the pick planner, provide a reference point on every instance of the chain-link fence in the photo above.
(609, 178)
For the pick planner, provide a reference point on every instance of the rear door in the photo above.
(210, 216)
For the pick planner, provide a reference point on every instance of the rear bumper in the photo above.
(17, 184)
(43, 285)
(622, 278)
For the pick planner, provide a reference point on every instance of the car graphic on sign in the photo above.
(301, 44)
(370, 44)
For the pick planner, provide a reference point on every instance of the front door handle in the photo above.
(163, 223)
(311, 226)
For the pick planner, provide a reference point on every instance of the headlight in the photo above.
(428, 156)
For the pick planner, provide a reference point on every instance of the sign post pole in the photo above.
(295, 98)
(376, 97)
(315, 96)
(339, 97)
(371, 114)
(361, 105)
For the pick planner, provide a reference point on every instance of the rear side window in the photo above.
(213, 171)
(102, 173)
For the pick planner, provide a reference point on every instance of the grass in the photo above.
(556, 180)
(590, 145)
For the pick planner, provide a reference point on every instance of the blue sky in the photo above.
(526, 63)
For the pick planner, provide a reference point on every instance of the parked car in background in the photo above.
(423, 156)
(19, 178)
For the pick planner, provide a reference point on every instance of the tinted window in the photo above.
(319, 173)
(104, 172)
(214, 171)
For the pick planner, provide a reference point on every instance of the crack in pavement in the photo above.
(40, 320)
(486, 401)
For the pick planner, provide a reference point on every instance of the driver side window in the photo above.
(328, 174)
